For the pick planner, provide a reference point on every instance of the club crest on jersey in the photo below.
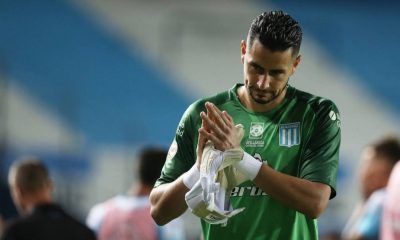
(256, 130)
(289, 134)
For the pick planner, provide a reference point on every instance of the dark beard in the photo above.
(275, 95)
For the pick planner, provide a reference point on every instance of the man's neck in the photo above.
(141, 190)
(35, 201)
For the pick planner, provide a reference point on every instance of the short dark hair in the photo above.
(388, 148)
(29, 174)
(151, 161)
(276, 31)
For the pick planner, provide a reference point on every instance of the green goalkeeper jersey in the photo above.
(300, 137)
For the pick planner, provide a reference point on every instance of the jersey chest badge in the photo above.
(289, 134)
(256, 130)
(256, 134)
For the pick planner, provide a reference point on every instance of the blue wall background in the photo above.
(89, 79)
(361, 36)
(85, 76)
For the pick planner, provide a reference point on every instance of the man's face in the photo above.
(18, 198)
(373, 173)
(266, 73)
(16, 192)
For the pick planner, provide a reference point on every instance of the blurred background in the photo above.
(84, 84)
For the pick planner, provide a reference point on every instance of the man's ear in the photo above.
(242, 50)
(296, 63)
(17, 194)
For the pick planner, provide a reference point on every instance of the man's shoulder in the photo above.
(315, 102)
(20, 228)
(97, 212)
(377, 198)
(57, 222)
(15, 227)
(68, 222)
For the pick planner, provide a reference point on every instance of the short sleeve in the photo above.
(320, 159)
(370, 221)
(95, 217)
(182, 152)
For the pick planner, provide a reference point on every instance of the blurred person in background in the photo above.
(390, 227)
(127, 216)
(377, 161)
(31, 189)
(7, 208)
(1, 225)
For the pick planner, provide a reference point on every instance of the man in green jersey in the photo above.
(291, 143)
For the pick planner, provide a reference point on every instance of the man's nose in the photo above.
(263, 81)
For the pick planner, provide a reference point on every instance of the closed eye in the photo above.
(276, 72)
(256, 67)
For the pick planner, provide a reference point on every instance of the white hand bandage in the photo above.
(248, 166)
(190, 177)
(209, 198)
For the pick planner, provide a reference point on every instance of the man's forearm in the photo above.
(310, 198)
(168, 201)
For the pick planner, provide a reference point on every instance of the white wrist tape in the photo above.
(249, 166)
(190, 177)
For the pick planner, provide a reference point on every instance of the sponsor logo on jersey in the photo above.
(251, 191)
(256, 130)
(335, 117)
(289, 134)
(332, 115)
(256, 133)
(173, 149)
(181, 129)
